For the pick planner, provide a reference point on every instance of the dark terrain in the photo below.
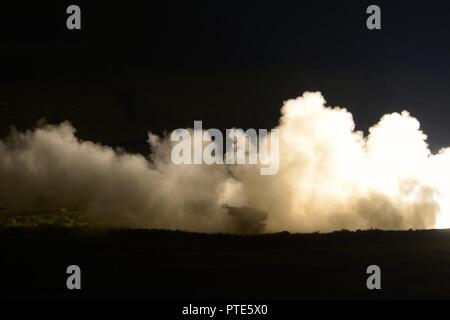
(177, 265)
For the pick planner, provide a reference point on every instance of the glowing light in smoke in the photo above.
(330, 177)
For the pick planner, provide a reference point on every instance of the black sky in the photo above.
(159, 66)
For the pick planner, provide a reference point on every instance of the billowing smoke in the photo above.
(330, 177)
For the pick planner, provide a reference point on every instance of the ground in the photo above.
(153, 264)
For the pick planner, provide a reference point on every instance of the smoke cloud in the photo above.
(330, 177)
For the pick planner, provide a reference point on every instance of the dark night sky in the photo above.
(156, 66)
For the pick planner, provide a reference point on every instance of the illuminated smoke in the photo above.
(330, 177)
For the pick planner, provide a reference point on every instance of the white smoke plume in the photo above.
(330, 177)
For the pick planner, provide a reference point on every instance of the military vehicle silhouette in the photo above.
(246, 219)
